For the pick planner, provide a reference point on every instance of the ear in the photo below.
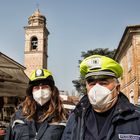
(118, 88)
(86, 84)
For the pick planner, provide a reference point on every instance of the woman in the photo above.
(41, 116)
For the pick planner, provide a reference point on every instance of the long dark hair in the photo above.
(52, 108)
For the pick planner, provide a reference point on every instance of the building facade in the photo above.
(128, 55)
(13, 84)
(36, 43)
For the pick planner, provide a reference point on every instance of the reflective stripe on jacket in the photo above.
(21, 129)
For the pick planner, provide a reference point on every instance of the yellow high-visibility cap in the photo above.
(39, 74)
(97, 65)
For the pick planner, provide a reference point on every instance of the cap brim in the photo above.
(101, 74)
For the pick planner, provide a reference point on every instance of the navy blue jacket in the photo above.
(125, 124)
(22, 129)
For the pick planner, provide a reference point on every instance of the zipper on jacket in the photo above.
(35, 136)
(81, 125)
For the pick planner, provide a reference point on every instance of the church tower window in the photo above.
(34, 43)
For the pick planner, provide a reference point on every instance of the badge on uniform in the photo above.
(129, 137)
(39, 73)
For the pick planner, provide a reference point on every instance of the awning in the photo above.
(13, 80)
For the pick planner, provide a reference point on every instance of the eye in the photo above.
(90, 80)
(103, 83)
(92, 83)
(35, 88)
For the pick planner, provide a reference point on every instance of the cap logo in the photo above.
(94, 63)
(39, 72)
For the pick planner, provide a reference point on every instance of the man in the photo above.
(104, 113)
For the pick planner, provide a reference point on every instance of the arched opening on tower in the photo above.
(34, 43)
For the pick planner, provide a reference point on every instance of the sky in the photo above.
(75, 26)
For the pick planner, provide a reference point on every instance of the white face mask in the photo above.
(42, 96)
(100, 96)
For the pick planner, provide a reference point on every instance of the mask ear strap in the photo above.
(112, 99)
(113, 89)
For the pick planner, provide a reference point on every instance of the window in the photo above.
(34, 43)
(131, 96)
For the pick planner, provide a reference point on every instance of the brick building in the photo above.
(128, 55)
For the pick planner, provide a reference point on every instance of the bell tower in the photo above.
(36, 43)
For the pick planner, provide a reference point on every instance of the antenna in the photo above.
(37, 6)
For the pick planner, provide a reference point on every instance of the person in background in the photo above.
(41, 116)
(104, 113)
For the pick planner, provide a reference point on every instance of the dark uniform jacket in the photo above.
(22, 129)
(124, 125)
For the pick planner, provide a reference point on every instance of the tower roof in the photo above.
(37, 19)
(37, 13)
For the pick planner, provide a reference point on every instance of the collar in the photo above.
(83, 105)
(124, 109)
